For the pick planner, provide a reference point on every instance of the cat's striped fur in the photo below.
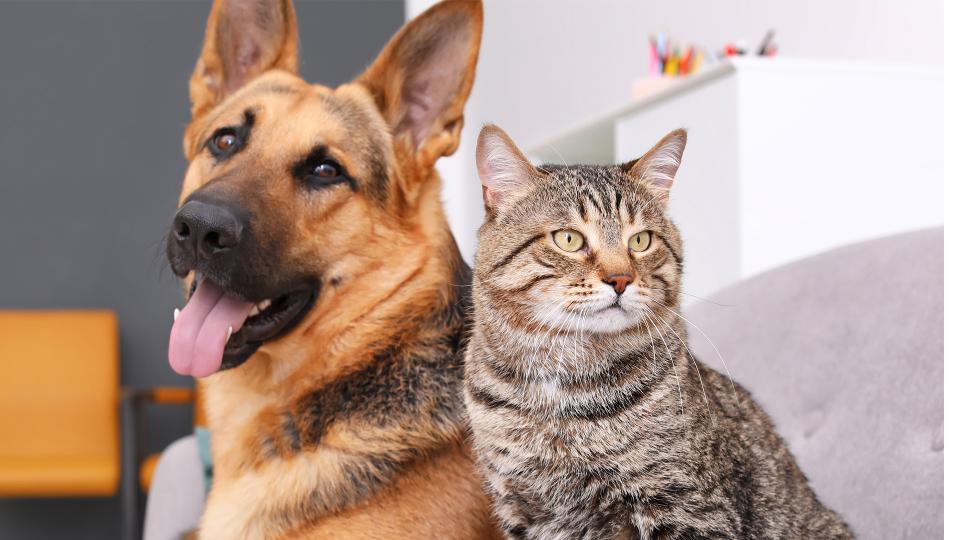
(592, 421)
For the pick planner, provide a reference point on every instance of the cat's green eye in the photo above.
(568, 240)
(641, 241)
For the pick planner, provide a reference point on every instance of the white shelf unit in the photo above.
(785, 158)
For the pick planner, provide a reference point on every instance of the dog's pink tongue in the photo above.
(199, 334)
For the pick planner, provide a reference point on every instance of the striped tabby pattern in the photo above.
(589, 416)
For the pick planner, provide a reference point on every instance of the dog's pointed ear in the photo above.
(244, 38)
(422, 78)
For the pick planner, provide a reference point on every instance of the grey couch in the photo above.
(843, 349)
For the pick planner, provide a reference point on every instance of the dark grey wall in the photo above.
(93, 101)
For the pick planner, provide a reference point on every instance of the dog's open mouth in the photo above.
(218, 329)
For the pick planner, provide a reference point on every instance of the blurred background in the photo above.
(851, 84)
(832, 136)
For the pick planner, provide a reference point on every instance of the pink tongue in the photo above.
(199, 334)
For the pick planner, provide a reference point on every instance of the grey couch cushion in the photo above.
(177, 493)
(845, 351)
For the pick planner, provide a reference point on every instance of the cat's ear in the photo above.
(505, 173)
(658, 167)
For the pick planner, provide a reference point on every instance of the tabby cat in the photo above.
(590, 417)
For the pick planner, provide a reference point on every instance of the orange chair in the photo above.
(60, 431)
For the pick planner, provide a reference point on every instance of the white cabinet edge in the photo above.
(605, 123)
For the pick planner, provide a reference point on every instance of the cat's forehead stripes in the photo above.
(601, 199)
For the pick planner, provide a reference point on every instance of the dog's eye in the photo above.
(229, 140)
(224, 142)
(318, 170)
(327, 169)
(323, 173)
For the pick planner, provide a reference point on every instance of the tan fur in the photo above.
(385, 259)
(438, 486)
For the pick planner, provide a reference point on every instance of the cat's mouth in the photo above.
(614, 306)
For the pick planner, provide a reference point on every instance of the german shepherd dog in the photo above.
(327, 298)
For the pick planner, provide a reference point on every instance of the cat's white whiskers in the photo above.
(544, 320)
(672, 362)
(695, 366)
(575, 363)
(537, 340)
(571, 337)
(577, 342)
(707, 300)
(582, 340)
(724, 362)
(563, 342)
(644, 310)
(559, 155)
(558, 339)
(532, 339)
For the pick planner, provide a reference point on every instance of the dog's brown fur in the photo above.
(349, 425)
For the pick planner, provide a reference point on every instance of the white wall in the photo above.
(788, 158)
(548, 64)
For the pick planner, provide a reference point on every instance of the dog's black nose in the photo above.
(203, 229)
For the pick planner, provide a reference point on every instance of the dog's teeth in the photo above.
(258, 308)
(229, 332)
(176, 313)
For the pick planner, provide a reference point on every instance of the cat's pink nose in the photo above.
(619, 282)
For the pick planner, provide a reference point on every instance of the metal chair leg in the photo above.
(130, 410)
(133, 441)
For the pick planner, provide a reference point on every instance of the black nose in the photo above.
(203, 229)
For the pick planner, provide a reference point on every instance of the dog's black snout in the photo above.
(203, 229)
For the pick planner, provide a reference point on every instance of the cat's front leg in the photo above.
(508, 507)
(512, 517)
(681, 531)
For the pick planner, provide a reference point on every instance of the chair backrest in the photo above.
(59, 384)
(845, 352)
